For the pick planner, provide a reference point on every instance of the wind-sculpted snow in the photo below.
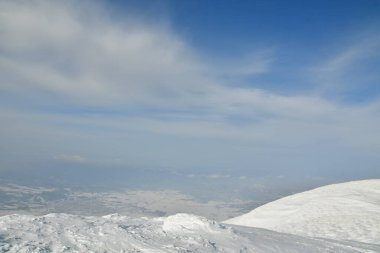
(177, 233)
(347, 211)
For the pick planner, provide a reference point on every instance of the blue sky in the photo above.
(297, 33)
(244, 88)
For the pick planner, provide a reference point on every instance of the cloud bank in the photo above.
(74, 79)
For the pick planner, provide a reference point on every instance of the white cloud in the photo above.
(52, 47)
(57, 54)
(218, 176)
(70, 54)
(70, 158)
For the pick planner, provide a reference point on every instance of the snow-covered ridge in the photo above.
(177, 233)
(346, 211)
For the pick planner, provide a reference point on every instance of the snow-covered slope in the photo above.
(346, 211)
(177, 233)
(336, 218)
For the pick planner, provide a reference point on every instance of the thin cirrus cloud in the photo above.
(76, 81)
(352, 68)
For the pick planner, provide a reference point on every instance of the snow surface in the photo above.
(336, 218)
(177, 233)
(346, 211)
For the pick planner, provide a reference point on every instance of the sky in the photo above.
(218, 89)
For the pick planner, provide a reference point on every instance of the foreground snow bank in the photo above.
(347, 211)
(177, 233)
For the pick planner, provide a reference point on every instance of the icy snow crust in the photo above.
(347, 211)
(177, 233)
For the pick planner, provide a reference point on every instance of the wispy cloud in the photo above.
(80, 60)
(349, 69)
(51, 47)
(78, 81)
(252, 63)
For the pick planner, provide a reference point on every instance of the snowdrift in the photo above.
(346, 211)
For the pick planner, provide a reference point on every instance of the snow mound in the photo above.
(187, 223)
(177, 233)
(346, 211)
